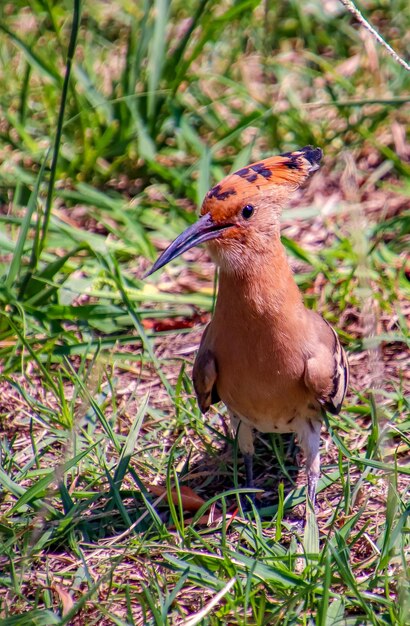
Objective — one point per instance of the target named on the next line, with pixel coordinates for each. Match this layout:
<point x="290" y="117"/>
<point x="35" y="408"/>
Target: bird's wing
<point x="327" y="371"/>
<point x="205" y="374"/>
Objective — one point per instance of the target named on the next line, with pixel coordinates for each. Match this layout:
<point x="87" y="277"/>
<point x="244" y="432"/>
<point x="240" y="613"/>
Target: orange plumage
<point x="275" y="364"/>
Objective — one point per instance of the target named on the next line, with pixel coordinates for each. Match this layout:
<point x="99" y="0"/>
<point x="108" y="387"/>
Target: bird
<point x="275" y="364"/>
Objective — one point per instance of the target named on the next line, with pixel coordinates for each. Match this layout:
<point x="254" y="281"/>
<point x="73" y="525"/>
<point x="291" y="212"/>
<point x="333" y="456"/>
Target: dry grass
<point x="96" y="401"/>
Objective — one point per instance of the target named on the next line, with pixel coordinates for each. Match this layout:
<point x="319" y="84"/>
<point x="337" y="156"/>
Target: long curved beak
<point x="203" y="230"/>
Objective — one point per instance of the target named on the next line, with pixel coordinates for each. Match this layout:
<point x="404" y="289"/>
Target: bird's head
<point x="240" y="215"/>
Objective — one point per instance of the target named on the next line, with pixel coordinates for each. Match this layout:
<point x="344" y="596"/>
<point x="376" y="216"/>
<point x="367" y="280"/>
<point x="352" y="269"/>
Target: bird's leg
<point x="310" y="442"/>
<point x="248" y="460"/>
<point x="245" y="442"/>
<point x="312" y="480"/>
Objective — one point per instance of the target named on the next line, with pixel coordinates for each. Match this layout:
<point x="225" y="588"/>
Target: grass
<point x="118" y="500"/>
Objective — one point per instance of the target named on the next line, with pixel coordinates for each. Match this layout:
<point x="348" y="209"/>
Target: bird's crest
<point x="287" y="171"/>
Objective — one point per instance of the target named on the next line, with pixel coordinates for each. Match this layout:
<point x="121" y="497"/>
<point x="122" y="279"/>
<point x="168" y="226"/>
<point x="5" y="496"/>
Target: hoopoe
<point x="274" y="363"/>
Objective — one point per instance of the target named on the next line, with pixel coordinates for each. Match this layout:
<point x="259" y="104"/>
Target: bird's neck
<point x="265" y="289"/>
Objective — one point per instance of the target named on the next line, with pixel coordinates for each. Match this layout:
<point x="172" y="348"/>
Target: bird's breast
<point x="261" y="338"/>
<point x="261" y="379"/>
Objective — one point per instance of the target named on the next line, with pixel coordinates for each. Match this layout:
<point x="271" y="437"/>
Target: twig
<point x="351" y="7"/>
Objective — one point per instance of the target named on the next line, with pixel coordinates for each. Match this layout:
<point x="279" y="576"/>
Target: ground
<point x="120" y="503"/>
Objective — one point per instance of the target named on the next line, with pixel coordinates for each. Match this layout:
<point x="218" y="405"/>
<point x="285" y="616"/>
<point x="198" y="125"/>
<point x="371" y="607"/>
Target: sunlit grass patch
<point x="102" y="443"/>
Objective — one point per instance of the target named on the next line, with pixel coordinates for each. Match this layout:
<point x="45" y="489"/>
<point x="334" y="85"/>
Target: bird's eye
<point x="247" y="211"/>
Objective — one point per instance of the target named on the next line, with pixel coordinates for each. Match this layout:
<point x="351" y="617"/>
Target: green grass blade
<point x="16" y="262"/>
<point x="60" y="122"/>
